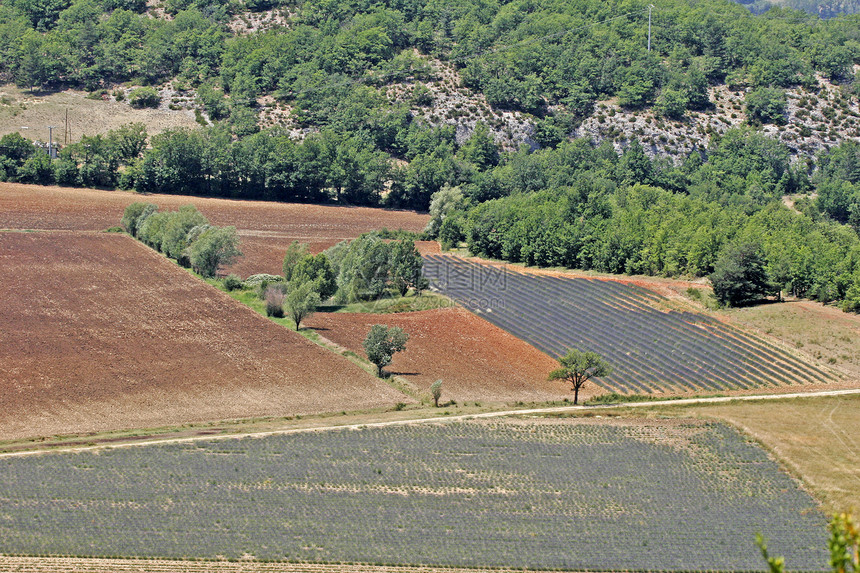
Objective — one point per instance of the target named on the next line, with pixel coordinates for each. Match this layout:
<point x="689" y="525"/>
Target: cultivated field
<point x="266" y="228"/>
<point x="475" y="360"/>
<point x="818" y="438"/>
<point x="822" y="332"/>
<point x="566" y="494"/>
<point x="650" y="348"/>
<point x="100" y="332"/>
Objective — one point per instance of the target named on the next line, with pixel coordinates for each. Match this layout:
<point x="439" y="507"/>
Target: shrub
<point x="232" y="282"/>
<point x="135" y="214"/>
<point x="151" y="230"/>
<point x="258" y="279"/>
<point x="176" y="233"/>
<point x="274" y="297"/>
<point x="671" y="103"/>
<point x="144" y="97"/>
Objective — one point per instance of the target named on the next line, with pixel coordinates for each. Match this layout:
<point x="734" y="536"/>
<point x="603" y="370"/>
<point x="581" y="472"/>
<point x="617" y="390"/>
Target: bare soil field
<point x="36" y="111"/>
<point x="475" y="360"/>
<point x="266" y="228"/>
<point x="100" y="333"/>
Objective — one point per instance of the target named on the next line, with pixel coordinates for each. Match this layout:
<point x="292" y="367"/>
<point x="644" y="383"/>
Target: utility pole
<point x="67" y="132"/>
<point x="650" y="7"/>
<point x="51" y="141"/>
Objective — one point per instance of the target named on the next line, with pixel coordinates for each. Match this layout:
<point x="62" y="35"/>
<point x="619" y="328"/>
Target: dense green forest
<point x="562" y="201"/>
<point x="530" y="55"/>
<point x="823" y="8"/>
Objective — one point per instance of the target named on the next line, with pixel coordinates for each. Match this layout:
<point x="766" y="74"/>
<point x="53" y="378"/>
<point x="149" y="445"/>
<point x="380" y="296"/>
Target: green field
<point x="598" y="494"/>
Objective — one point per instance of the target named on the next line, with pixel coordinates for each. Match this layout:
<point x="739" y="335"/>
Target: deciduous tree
<point x="301" y="301"/>
<point x="215" y="247"/>
<point x="740" y="275"/>
<point x="577" y="367"/>
<point x="381" y="344"/>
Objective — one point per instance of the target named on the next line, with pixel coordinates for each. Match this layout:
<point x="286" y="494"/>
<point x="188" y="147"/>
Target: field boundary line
<point x="437" y="420"/>
<point x="155" y="565"/>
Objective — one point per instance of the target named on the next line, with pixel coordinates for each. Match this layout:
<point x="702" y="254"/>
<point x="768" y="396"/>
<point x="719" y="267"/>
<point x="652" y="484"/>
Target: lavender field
<point x="649" y="348"/>
<point x="553" y="494"/>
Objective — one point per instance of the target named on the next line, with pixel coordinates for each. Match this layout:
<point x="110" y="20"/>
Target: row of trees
<point x="184" y="235"/>
<point x="741" y="167"/>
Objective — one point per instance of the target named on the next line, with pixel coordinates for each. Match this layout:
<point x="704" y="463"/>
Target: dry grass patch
<point x="817" y="438"/>
<point x="822" y="332"/>
<point x="86" y="116"/>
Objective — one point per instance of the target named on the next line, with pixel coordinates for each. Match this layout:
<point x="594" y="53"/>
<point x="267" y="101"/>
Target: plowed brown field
<point x="266" y="228"/>
<point x="475" y="360"/>
<point x="102" y="333"/>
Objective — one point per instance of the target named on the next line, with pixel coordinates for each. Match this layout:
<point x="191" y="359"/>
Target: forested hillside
<point x="547" y="130"/>
<point x="823" y="8"/>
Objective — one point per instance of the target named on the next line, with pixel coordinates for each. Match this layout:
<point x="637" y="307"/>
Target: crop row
<point x="650" y="349"/>
<point x="562" y="494"/>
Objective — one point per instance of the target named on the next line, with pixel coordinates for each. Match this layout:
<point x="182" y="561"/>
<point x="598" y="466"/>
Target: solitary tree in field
<point x="578" y="367"/>
<point x="436" y="392"/>
<point x="381" y="344"/>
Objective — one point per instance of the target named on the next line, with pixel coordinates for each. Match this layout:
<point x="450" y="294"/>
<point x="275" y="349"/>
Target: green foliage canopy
<point x="382" y="342"/>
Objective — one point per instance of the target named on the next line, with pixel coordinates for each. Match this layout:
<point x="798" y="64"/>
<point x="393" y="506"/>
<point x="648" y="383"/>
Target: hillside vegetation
<point x="639" y="161"/>
<point x="823" y="8"/>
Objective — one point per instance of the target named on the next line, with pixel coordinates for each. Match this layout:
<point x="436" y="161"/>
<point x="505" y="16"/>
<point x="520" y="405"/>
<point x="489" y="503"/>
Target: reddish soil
<point x="101" y="333"/>
<point x="475" y="360"/>
<point x="266" y="228"/>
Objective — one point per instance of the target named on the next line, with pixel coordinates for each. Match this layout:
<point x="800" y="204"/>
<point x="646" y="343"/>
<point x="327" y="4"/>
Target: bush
<point x="274" y="297"/>
<point x="144" y="97"/>
<point x="671" y="103"/>
<point x="264" y="286"/>
<point x="232" y="282"/>
<point x="176" y="232"/>
<point x="134" y="216"/>
<point x="258" y="279"/>
<point x="151" y="230"/>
